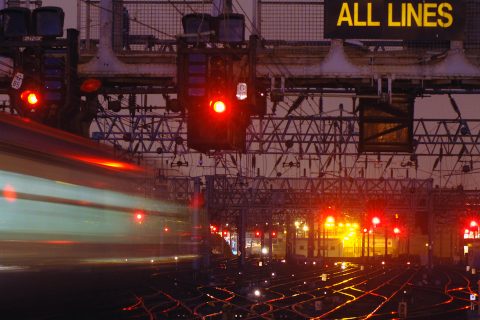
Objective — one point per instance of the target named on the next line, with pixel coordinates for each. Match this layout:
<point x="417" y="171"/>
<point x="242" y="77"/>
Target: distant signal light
<point x="139" y="217"/>
<point x="90" y="85"/>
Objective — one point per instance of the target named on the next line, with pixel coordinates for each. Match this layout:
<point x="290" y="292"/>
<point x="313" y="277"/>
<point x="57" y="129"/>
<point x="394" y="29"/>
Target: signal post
<point x="44" y="87"/>
<point x="216" y="82"/>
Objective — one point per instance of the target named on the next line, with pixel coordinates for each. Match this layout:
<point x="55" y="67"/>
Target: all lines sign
<point x="426" y="20"/>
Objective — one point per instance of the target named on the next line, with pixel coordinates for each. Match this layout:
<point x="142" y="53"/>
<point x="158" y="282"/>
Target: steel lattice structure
<point x="305" y="195"/>
<point x="307" y="146"/>
<point x="276" y="202"/>
<point x="309" y="135"/>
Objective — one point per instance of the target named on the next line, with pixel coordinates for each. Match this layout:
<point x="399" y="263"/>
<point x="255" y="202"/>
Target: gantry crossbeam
<point x="306" y="135"/>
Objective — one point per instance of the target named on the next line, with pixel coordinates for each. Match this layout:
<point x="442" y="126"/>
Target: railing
<point x="138" y="25"/>
<point x="143" y="26"/>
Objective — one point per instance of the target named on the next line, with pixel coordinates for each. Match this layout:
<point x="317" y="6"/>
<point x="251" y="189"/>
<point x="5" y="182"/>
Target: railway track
<point x="276" y="291"/>
<point x="372" y="293"/>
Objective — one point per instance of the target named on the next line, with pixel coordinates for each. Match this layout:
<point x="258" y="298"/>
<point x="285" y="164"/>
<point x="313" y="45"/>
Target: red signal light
<point x="30" y="97"/>
<point x="274" y="234"/>
<point x="139" y="217"/>
<point x="396" y="230"/>
<point x="9" y="193"/>
<point x="166" y="229"/>
<point x="375" y="220"/>
<point x="218" y="106"/>
<point x="473" y="224"/>
<point x="225" y="232"/>
<point x="257" y="233"/>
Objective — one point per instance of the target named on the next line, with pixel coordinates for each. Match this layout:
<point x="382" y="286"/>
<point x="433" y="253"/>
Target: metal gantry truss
<point x="310" y="146"/>
<point x="274" y="135"/>
<point x="245" y="204"/>
<point x="226" y="196"/>
<point x="260" y="196"/>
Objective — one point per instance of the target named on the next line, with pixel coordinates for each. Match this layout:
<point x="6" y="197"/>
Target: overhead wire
<point x="284" y="70"/>
<point x="175" y="7"/>
<point x="138" y="22"/>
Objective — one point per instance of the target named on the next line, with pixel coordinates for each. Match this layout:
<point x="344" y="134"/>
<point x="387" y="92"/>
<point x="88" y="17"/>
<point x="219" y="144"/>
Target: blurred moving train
<point x="65" y="200"/>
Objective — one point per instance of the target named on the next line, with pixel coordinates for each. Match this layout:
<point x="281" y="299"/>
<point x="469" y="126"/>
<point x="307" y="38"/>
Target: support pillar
<point x="363" y="245"/>
<point x="201" y="232"/>
<point x="373" y="242"/>
<point x="311" y="236"/>
<point x="325" y="245"/>
<point x="196" y="225"/>
<point x="319" y="237"/>
<point x="293" y="234"/>
<point x="431" y="229"/>
<point x="263" y="230"/>
<point x="288" y="238"/>
<point x="241" y="227"/>
<point x="270" y="240"/>
<point x="368" y="245"/>
<point x="386" y="243"/>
